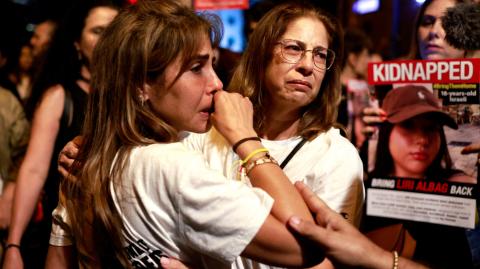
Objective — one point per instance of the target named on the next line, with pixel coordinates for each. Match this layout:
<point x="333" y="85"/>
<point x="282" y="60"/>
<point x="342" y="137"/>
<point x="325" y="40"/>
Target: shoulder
<point x="8" y="100"/>
<point x="335" y="143"/>
<point x="51" y="103"/>
<point x="163" y="152"/>
<point x="336" y="154"/>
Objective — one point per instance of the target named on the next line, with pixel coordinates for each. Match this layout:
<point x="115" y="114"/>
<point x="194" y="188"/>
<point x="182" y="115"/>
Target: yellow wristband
<point x="253" y="153"/>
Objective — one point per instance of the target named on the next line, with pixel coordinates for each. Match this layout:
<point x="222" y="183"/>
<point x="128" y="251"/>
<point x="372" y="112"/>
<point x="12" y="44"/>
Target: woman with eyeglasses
<point x="290" y="71"/>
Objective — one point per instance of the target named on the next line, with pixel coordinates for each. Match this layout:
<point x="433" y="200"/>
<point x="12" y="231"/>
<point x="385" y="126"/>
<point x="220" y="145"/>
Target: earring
<point x="142" y="100"/>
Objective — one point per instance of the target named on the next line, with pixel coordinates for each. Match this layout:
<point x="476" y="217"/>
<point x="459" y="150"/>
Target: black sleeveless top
<point x="70" y="126"/>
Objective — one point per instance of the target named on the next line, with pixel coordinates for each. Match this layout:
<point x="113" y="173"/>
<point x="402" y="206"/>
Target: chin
<point x="203" y="128"/>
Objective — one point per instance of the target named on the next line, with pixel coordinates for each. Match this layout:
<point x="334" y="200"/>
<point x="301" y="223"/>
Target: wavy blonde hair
<point x="135" y="50"/>
<point x="248" y="78"/>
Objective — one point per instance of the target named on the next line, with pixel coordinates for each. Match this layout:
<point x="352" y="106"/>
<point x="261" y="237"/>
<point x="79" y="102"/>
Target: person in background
<point x="42" y="37"/>
<point x="56" y="109"/>
<point x="412" y="144"/>
<point x="355" y="93"/>
<point x="22" y="73"/>
<point x="428" y="43"/>
<point x="13" y="143"/>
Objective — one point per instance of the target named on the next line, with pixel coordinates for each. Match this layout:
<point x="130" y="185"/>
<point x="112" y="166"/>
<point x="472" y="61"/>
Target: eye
<point x="98" y="30"/>
<point x="292" y="48"/>
<point x="407" y="125"/>
<point x="320" y="54"/>
<point x="196" y="67"/>
<point x="427" y="20"/>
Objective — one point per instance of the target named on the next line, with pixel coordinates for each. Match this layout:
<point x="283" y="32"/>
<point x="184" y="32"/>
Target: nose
<point x="436" y="30"/>
<point x="215" y="84"/>
<point x="305" y="65"/>
<point x="422" y="137"/>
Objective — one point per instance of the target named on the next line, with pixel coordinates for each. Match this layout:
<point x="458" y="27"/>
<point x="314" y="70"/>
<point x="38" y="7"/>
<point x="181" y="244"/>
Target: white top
<point x="329" y="165"/>
<point x="172" y="204"/>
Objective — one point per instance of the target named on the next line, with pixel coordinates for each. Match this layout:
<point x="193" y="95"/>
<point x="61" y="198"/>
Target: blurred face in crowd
<point x="431" y="35"/>
<point x="41" y="37"/>
<point x="26" y="58"/>
<point x="359" y="62"/>
<point x="186" y="103"/>
<point x="414" y="144"/>
<point x="295" y="85"/>
<point x="97" y="20"/>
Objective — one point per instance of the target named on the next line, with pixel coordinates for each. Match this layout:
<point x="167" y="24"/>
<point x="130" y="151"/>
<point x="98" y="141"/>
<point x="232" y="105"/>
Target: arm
<point x="6" y="204"/>
<point x="59" y="257"/>
<point x="34" y="169"/>
<point x="273" y="244"/>
<point x="342" y="242"/>
<point x="233" y="118"/>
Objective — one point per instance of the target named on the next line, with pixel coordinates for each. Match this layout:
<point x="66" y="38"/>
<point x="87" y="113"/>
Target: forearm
<point x="273" y="180"/>
<point x="275" y="245"/>
<point x="27" y="193"/>
<point x="59" y="257"/>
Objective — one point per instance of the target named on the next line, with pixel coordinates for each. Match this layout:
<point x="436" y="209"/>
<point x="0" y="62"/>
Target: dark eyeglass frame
<point x="301" y="46"/>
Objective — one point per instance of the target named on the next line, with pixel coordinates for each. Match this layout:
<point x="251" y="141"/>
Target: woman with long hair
<point x="56" y="108"/>
<point x="139" y="193"/>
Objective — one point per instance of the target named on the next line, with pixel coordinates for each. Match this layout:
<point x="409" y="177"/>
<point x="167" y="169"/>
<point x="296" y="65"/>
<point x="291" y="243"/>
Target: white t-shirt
<point x="172" y="204"/>
<point x="329" y="165"/>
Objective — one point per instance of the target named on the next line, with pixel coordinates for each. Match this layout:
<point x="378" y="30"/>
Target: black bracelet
<point x="11" y="246"/>
<point x="235" y="146"/>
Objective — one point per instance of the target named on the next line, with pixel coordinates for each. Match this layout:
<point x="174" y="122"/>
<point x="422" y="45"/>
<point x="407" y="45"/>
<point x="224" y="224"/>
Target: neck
<point x="84" y="81"/>
<point x="281" y="124"/>
<point x="85" y="74"/>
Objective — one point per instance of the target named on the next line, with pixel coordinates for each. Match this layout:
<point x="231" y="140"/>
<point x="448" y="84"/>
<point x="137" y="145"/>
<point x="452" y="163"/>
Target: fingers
<point x="67" y="156"/>
<point x="368" y="130"/>
<point x="473" y="148"/>
<point x="170" y="263"/>
<point x="314" y="203"/>
<point x="372" y="120"/>
<point x="233" y="116"/>
<point x="308" y="229"/>
<point x="78" y="140"/>
<point x="374" y="111"/>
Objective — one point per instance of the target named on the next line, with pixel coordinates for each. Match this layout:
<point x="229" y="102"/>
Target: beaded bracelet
<point x="395" y="259"/>
<point x="241" y="141"/>
<point x="262" y="160"/>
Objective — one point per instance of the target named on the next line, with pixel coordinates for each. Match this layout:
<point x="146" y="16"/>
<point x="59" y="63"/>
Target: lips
<point x="300" y="84"/>
<point x="432" y="47"/>
<point x="419" y="155"/>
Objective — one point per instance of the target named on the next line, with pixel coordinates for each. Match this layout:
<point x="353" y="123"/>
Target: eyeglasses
<point x="293" y="51"/>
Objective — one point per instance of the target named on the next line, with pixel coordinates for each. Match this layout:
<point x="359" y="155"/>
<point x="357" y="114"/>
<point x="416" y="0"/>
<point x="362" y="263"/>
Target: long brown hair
<point x="135" y="50"/>
<point x="248" y="78"/>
